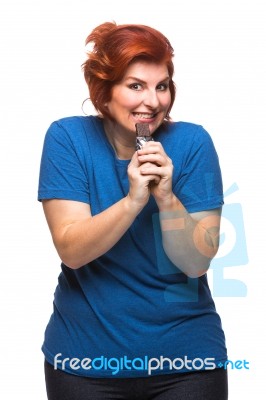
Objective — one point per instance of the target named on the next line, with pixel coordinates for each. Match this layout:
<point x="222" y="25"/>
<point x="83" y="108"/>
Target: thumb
<point x="134" y="160"/>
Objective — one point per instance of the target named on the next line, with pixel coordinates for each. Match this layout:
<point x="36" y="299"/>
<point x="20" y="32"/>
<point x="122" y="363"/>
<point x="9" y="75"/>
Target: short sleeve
<point x="199" y="186"/>
<point x="63" y="174"/>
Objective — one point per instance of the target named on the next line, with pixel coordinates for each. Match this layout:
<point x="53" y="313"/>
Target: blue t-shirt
<point x="130" y="312"/>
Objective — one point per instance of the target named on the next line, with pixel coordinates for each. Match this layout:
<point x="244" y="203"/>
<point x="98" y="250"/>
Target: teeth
<point x="144" y="116"/>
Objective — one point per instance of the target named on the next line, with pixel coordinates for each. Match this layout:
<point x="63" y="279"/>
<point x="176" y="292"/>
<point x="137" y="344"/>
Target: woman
<point x="136" y="231"/>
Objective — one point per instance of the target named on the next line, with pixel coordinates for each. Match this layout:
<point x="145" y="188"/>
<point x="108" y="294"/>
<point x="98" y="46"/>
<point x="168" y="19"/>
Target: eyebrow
<point x="134" y="78"/>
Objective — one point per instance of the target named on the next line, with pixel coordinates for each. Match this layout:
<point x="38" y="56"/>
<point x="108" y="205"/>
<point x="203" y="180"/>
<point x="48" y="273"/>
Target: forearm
<point x="189" y="243"/>
<point x="84" y="240"/>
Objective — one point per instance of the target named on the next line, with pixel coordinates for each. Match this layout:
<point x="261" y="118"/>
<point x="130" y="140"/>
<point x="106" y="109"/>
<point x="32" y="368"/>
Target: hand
<point x="140" y="184"/>
<point x="155" y="162"/>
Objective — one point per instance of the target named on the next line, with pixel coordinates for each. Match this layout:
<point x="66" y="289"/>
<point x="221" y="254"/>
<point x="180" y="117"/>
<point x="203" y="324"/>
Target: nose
<point x="151" y="99"/>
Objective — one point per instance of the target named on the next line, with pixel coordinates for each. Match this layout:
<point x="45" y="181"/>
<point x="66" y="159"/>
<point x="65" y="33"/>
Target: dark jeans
<point x="199" y="385"/>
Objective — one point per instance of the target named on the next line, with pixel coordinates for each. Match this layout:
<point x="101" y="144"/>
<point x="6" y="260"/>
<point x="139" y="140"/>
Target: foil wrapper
<point x="143" y="135"/>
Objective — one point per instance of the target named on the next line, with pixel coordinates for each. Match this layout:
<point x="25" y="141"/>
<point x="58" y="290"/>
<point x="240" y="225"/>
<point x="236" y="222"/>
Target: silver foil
<point x="141" y="140"/>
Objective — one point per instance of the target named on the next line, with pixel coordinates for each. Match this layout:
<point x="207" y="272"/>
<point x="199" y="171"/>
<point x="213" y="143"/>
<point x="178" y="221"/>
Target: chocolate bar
<point x="143" y="135"/>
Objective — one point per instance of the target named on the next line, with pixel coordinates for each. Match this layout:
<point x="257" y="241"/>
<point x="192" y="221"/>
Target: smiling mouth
<point x="143" y="116"/>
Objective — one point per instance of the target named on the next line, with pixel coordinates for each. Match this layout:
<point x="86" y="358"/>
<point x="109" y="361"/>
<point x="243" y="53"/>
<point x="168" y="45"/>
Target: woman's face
<point x="143" y="95"/>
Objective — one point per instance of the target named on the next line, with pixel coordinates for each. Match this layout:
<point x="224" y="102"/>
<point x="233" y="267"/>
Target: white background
<point x="220" y="76"/>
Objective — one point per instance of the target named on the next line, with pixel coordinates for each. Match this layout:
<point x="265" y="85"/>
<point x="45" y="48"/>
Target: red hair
<point x="114" y="48"/>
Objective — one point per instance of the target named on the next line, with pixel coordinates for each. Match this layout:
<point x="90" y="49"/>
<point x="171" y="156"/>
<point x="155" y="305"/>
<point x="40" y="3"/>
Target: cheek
<point x="166" y="101"/>
<point x="124" y="102"/>
<point x="130" y="101"/>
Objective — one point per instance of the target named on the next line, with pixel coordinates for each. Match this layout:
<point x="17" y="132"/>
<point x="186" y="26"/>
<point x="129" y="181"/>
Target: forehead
<point x="145" y="69"/>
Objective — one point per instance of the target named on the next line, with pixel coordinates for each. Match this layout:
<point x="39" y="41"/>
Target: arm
<point x="80" y="237"/>
<point x="189" y="240"/>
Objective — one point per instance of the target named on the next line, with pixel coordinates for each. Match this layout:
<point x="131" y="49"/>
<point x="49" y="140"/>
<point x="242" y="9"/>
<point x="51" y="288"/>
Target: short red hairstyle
<point x="114" y="48"/>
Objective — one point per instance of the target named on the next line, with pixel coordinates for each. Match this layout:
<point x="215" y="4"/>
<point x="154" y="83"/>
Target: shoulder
<point x="72" y="124"/>
<point x="74" y="131"/>
<point x="183" y="136"/>
<point x="184" y="130"/>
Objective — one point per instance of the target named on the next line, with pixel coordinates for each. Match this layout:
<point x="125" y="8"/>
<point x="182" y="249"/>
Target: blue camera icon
<point x="232" y="253"/>
<point x="232" y="233"/>
<point x="184" y="289"/>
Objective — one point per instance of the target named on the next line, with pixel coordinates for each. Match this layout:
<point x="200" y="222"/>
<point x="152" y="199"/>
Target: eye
<point x="135" y="86"/>
<point x="162" y="87"/>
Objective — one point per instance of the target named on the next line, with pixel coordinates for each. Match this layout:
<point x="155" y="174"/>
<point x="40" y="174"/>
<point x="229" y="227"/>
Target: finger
<point x="151" y="147"/>
<point x="156" y="158"/>
<point x="153" y="169"/>
<point x="134" y="160"/>
<point x="153" y="178"/>
<point x="150" y="169"/>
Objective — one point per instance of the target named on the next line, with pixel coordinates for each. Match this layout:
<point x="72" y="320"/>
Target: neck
<point x="123" y="143"/>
